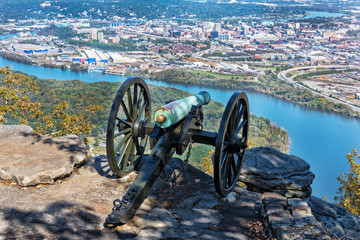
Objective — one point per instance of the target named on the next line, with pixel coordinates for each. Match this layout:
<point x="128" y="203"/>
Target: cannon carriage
<point x="178" y="124"/>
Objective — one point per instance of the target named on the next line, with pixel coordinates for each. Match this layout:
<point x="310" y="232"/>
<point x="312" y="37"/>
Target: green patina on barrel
<point x="177" y="110"/>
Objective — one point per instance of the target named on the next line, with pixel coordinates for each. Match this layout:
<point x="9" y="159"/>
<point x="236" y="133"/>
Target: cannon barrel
<point x="173" y="112"/>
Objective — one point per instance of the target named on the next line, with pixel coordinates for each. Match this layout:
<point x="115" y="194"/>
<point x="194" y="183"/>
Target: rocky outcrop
<point x="29" y="159"/>
<point x="337" y="222"/>
<point x="197" y="210"/>
<point x="76" y="207"/>
<point x="7" y="131"/>
<point x="290" y="218"/>
<point x="268" y="170"/>
<point x="313" y="218"/>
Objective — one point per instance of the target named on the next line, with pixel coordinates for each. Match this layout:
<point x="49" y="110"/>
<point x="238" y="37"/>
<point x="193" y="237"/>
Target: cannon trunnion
<point x="131" y="135"/>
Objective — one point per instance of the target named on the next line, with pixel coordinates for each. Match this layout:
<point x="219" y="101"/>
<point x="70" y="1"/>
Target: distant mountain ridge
<point x="94" y="9"/>
<point x="161" y="9"/>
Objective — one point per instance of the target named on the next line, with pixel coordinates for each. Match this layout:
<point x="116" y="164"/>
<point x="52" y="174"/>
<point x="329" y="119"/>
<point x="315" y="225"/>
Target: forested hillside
<point x="80" y="94"/>
<point x="96" y="9"/>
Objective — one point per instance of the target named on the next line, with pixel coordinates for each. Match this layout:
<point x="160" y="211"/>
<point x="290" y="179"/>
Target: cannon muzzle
<point x="173" y="112"/>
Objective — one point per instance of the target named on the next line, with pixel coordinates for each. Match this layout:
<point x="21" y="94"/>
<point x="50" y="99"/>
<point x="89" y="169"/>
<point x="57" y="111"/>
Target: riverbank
<point x="268" y="84"/>
<point x="76" y="67"/>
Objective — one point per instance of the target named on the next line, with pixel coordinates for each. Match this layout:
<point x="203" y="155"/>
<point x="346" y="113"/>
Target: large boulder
<point x="28" y="158"/>
<point x="268" y="170"/>
<point x="7" y="131"/>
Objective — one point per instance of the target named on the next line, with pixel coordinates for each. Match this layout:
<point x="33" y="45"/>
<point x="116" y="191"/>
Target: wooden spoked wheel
<point x="231" y="143"/>
<point x="125" y="141"/>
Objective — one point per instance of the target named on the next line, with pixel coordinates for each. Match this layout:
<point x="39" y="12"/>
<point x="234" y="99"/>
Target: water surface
<point x="320" y="138"/>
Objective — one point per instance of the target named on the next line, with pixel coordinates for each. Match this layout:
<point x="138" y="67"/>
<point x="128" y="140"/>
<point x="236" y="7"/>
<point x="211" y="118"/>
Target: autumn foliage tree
<point x="349" y="190"/>
<point x="208" y="164"/>
<point x="16" y="91"/>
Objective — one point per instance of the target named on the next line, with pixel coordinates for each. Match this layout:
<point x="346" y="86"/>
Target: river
<point x="5" y="36"/>
<point x="320" y="138"/>
<point x="316" y="14"/>
<point x="311" y="14"/>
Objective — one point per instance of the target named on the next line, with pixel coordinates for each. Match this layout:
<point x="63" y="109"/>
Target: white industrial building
<point x="118" y="59"/>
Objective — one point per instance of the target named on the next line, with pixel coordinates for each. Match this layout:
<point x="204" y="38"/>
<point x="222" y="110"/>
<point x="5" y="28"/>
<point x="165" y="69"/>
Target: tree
<point x="208" y="163"/>
<point x="16" y="91"/>
<point x="60" y="123"/>
<point x="61" y="32"/>
<point x="349" y="190"/>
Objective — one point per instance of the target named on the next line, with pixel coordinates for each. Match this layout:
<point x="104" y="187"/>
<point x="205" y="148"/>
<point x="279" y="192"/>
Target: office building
<point x="217" y="27"/>
<point x="94" y="35"/>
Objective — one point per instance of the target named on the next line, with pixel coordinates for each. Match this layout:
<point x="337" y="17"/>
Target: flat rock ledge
<point x="268" y="170"/>
<point x="29" y="159"/>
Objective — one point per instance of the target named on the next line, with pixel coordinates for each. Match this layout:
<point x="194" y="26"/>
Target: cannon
<point x="177" y="125"/>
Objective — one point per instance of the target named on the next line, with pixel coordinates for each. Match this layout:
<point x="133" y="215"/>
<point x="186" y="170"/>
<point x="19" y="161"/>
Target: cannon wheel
<point x="124" y="144"/>
<point x="231" y="143"/>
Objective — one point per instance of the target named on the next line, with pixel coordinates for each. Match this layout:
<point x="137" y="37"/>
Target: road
<point x="282" y="76"/>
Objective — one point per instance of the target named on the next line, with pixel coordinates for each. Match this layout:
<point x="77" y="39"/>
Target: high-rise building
<point x="94" y="35"/>
<point x="217" y="27"/>
<point x="224" y="37"/>
<point x="101" y="36"/>
<point x="245" y="29"/>
<point x="208" y="26"/>
<point x="167" y="29"/>
<point x="214" y="34"/>
<point x="175" y="27"/>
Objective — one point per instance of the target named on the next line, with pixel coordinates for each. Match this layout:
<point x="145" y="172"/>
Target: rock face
<point x="338" y="223"/>
<point x="28" y="158"/>
<point x="290" y="218"/>
<point x="268" y="170"/>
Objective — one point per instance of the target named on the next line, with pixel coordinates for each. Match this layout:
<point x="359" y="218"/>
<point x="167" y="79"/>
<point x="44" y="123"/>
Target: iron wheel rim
<point x="228" y="161"/>
<point x="132" y="104"/>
